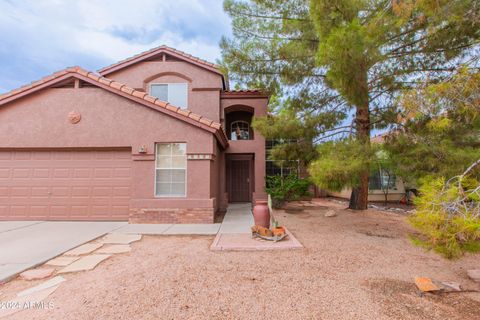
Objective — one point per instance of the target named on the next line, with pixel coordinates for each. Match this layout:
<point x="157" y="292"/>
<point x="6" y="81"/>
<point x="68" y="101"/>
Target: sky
<point x="39" y="37"/>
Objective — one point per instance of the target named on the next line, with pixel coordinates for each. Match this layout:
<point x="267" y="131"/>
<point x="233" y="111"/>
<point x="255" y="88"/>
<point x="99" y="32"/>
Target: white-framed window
<point x="240" y="130"/>
<point x="171" y="169"/>
<point x="173" y="93"/>
<point x="382" y="179"/>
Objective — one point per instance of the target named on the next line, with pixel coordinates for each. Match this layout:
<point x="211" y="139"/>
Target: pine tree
<point x="331" y="61"/>
<point x="438" y="134"/>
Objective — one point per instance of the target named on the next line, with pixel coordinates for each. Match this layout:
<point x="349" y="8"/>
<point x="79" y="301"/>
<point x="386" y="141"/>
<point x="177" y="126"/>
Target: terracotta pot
<point x="278" y="231"/>
<point x="261" y="214"/>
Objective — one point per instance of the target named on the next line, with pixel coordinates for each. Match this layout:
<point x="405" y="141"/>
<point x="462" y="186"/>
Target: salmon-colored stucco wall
<point x="203" y="86"/>
<point x="41" y="121"/>
<point x="255" y="146"/>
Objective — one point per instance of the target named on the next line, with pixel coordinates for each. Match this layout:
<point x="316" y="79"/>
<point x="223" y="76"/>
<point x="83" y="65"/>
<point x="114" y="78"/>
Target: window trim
<point x="167" y="83"/>
<point x="249" y="130"/>
<point x="155" y="174"/>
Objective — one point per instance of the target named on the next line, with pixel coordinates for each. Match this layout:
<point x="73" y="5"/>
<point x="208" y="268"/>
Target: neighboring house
<point x="156" y="138"/>
<point x="380" y="183"/>
<point x="377" y="185"/>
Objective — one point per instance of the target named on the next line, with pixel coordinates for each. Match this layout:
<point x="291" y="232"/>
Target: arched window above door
<point x="240" y="130"/>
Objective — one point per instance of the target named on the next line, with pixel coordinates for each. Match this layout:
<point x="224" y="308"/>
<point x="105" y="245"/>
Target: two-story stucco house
<point x="156" y="138"/>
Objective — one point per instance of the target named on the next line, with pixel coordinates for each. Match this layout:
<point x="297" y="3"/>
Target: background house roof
<point x="120" y="89"/>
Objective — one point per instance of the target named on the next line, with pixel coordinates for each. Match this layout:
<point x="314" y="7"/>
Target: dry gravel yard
<point x="357" y="265"/>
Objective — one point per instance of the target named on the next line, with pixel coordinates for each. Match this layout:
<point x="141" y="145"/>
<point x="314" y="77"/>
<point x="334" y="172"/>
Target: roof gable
<point x="120" y="89"/>
<point x="161" y="53"/>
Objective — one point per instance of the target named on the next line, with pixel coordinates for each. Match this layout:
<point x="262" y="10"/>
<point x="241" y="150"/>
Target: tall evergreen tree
<point x="331" y="61"/>
<point x="438" y="135"/>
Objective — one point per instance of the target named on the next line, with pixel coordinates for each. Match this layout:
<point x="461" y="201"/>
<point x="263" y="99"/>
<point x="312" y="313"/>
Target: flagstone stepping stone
<point x="45" y="285"/>
<point x="114" y="248"/>
<point x="426" y="284"/>
<point x="62" y="261"/>
<point x="474" y="274"/>
<point x="84" y="249"/>
<point x="36" y="274"/>
<point x="85" y="263"/>
<point x="120" y="238"/>
<point x="25" y="302"/>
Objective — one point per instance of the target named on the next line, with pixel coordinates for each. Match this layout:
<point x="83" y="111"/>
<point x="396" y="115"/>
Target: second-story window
<point x="174" y="93"/>
<point x="240" y="130"/>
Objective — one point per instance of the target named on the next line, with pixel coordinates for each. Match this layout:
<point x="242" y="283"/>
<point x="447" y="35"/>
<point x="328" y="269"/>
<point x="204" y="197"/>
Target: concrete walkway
<point x="170" y="229"/>
<point x="27" y="244"/>
<point x="238" y="219"/>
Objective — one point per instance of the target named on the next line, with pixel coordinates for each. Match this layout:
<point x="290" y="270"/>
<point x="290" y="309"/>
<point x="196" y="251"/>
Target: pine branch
<point x="260" y="16"/>
<point x="256" y="72"/>
<point x="407" y="53"/>
<point x="257" y="36"/>
<point x="473" y="165"/>
<point x="331" y="135"/>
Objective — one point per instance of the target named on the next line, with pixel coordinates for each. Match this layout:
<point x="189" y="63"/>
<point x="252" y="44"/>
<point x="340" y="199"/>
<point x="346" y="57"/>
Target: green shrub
<point x="287" y="188"/>
<point x="447" y="216"/>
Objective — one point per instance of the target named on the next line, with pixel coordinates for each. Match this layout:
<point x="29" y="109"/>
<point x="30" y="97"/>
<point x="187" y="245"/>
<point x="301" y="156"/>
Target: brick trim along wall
<point x="172" y="215"/>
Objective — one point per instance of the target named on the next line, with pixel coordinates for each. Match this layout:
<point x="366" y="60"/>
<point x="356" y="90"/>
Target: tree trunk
<point x="386" y="190"/>
<point x="359" y="196"/>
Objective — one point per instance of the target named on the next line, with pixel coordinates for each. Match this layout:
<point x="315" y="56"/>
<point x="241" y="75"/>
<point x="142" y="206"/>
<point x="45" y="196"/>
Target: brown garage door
<point x="65" y="184"/>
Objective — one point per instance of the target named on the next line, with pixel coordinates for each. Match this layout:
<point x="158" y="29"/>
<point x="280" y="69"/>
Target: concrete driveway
<point x="25" y="244"/>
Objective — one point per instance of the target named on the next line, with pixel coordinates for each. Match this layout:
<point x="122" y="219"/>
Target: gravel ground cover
<point x="356" y="265"/>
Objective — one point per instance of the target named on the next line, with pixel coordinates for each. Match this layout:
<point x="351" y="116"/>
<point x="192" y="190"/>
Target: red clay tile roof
<point x="123" y="90"/>
<point x="245" y="92"/>
<point x="161" y="49"/>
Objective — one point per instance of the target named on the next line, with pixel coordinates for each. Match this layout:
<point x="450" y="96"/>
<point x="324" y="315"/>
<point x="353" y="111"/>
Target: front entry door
<point x="239" y="172"/>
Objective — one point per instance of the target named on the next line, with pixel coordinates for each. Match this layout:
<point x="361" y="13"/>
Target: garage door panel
<point x="85" y="173"/>
<point x="20" y="192"/>
<point x="65" y="185"/>
<point x="4" y="173"/>
<point x="4" y="192"/>
<point x="44" y="155"/>
<point x="21" y="155"/>
<point x="21" y="173"/>
<point x="39" y="211"/>
<point x="18" y="210"/>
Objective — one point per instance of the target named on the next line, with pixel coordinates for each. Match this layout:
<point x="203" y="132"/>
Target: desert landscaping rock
<point x="45" y="285"/>
<point x="450" y="286"/>
<point x="330" y="213"/>
<point x="85" y="263"/>
<point x="115" y="248"/>
<point x="62" y="261"/>
<point x="84" y="249"/>
<point x="340" y="274"/>
<point x="36" y="274"/>
<point x="119" y="238"/>
<point x="474" y="274"/>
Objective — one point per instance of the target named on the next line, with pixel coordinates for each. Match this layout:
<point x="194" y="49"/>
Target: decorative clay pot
<point x="278" y="231"/>
<point x="261" y="213"/>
